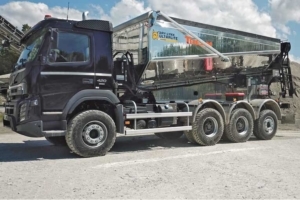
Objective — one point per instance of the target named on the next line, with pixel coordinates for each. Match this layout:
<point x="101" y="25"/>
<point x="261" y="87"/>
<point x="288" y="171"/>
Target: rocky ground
<point x="146" y="167"/>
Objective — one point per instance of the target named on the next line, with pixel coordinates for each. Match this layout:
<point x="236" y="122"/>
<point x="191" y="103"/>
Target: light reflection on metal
<point x="168" y="56"/>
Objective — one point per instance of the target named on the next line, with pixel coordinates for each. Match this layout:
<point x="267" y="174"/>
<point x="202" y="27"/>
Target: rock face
<point x="295" y="101"/>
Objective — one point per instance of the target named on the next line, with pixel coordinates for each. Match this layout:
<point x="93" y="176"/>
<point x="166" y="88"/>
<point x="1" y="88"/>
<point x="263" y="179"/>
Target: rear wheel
<point x="265" y="127"/>
<point x="240" y="127"/>
<point x="208" y="127"/>
<point x="91" y="133"/>
<point x="57" y="141"/>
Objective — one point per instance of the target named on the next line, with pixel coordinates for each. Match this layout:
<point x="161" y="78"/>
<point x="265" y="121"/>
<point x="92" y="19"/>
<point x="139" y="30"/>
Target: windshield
<point x="31" y="48"/>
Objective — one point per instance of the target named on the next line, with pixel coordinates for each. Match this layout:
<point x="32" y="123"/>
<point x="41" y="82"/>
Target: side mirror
<point x="5" y="43"/>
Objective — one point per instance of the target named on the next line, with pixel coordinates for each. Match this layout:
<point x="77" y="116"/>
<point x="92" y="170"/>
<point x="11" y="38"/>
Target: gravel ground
<point x="147" y="167"/>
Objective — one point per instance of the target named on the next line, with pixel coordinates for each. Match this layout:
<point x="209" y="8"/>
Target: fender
<point x="244" y="104"/>
<point x="200" y="105"/>
<point x="271" y="104"/>
<point x="85" y="95"/>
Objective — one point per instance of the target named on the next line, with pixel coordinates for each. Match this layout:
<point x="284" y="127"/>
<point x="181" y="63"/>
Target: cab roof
<point x="91" y="24"/>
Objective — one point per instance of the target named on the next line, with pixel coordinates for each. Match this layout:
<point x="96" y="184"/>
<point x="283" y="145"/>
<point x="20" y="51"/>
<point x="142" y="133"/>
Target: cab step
<point x="54" y="133"/>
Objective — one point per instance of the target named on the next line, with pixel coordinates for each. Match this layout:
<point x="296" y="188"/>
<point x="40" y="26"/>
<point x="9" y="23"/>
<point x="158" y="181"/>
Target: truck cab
<point x="62" y="62"/>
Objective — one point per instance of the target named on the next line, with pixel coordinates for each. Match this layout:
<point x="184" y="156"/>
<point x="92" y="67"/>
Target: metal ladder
<point x="286" y="79"/>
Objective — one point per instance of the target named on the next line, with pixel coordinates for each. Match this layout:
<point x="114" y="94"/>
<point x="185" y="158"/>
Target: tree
<point x="25" y="28"/>
<point x="8" y="58"/>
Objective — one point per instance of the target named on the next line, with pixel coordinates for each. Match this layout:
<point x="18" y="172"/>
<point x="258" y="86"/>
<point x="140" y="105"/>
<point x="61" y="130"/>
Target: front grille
<point x="9" y="110"/>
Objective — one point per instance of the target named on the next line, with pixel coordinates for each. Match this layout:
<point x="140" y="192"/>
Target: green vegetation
<point x="8" y="57"/>
<point x="25" y="28"/>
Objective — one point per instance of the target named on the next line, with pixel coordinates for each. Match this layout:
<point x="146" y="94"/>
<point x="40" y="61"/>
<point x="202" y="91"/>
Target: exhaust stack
<point x="84" y="15"/>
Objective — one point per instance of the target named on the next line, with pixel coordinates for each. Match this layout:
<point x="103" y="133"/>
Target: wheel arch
<point x="209" y="103"/>
<point x="264" y="104"/>
<point x="104" y="97"/>
<point x="240" y="104"/>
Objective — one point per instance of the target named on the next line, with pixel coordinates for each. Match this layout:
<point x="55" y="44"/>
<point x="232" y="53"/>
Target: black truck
<point x="83" y="82"/>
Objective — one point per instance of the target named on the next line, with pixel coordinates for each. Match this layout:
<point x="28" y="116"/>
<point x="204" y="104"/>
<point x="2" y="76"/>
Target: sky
<point x="274" y="18"/>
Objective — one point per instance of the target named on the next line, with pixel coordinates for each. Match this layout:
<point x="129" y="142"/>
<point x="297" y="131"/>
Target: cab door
<point x="69" y="68"/>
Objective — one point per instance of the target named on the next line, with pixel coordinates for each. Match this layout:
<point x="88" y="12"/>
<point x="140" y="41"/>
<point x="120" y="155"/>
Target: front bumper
<point x="31" y="126"/>
<point x="30" y="129"/>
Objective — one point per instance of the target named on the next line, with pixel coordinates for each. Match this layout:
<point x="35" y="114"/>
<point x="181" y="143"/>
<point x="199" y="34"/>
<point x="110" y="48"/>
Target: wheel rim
<point x="242" y="125"/>
<point x="269" y="125"/>
<point x="210" y="127"/>
<point x="94" y="134"/>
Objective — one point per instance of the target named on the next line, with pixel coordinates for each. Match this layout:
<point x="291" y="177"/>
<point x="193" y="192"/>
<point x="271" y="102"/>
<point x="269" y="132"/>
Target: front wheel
<point x="265" y="127"/>
<point x="189" y="136"/>
<point x="208" y="127"/>
<point x="91" y="133"/>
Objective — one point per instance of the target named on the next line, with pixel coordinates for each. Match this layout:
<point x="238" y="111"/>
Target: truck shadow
<point x="34" y="150"/>
<point x="146" y="143"/>
<point x="31" y="150"/>
<point x="151" y="142"/>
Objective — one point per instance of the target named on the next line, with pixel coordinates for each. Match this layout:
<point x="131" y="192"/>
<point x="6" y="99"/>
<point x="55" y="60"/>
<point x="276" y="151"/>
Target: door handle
<point x="87" y="81"/>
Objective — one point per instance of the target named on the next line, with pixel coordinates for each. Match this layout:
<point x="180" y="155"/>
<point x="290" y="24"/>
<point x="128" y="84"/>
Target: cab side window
<point x="69" y="47"/>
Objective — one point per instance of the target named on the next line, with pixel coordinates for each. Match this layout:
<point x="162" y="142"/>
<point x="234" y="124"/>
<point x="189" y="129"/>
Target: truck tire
<point x="57" y="141"/>
<point x="265" y="127"/>
<point x="91" y="133"/>
<point x="208" y="127"/>
<point x="189" y="136"/>
<point x="170" y="136"/>
<point x="240" y="127"/>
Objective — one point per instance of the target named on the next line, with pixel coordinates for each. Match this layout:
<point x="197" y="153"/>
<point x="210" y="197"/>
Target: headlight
<point x="23" y="112"/>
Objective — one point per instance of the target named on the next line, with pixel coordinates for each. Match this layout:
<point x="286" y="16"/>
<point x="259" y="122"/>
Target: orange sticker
<point x="190" y="40"/>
